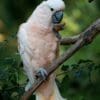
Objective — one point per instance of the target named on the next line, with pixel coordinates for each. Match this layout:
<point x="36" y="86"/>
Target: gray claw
<point x="42" y="73"/>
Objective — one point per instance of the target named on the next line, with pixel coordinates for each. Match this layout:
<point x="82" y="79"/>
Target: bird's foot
<point x="41" y="73"/>
<point x="58" y="27"/>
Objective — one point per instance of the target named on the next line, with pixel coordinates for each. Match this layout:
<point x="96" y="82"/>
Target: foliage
<point x="9" y="78"/>
<point x="81" y="81"/>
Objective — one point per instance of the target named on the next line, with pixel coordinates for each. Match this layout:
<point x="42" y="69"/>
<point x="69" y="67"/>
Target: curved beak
<point x="57" y="17"/>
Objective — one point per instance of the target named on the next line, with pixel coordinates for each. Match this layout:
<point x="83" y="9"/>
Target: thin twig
<point x="62" y="73"/>
<point x="85" y="38"/>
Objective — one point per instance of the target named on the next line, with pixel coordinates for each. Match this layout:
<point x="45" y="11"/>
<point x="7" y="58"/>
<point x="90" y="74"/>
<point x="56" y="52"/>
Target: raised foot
<point x="41" y="73"/>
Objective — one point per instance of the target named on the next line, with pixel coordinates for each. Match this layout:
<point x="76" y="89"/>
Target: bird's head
<point x="50" y="11"/>
<point x="56" y="7"/>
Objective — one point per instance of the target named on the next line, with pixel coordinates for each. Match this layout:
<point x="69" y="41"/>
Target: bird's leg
<point x="41" y="73"/>
<point x="57" y="35"/>
<point x="57" y="28"/>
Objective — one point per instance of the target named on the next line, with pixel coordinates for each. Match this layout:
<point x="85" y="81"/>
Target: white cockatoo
<point x="38" y="46"/>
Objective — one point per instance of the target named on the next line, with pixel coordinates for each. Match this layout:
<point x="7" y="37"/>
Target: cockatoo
<point x="38" y="46"/>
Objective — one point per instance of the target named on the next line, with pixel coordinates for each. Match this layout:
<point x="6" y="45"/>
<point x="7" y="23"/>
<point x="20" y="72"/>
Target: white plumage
<point x="38" y="47"/>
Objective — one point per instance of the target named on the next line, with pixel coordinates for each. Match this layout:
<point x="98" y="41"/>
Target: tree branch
<point x="69" y="40"/>
<point x="85" y="38"/>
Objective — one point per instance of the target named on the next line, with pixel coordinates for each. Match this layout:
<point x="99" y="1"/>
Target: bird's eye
<point x="51" y="9"/>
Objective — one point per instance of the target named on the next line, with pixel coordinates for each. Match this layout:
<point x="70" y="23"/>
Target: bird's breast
<point x="40" y="48"/>
<point x="43" y="48"/>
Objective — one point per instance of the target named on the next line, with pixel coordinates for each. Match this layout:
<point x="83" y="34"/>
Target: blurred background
<point x="78" y="78"/>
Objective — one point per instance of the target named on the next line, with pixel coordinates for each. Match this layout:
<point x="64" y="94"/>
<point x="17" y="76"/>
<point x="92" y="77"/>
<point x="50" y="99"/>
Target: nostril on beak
<point x="57" y="17"/>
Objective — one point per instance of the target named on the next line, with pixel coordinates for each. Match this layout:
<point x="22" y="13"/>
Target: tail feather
<point x="54" y="96"/>
<point x="57" y="95"/>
